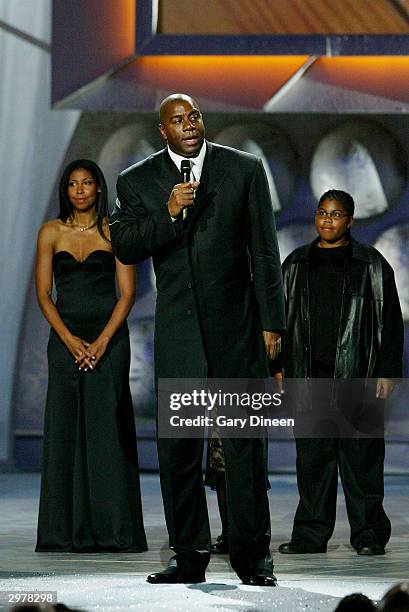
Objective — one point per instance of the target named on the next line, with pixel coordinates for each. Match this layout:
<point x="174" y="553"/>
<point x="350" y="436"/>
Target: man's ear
<point x="162" y="131"/>
<point x="351" y="222"/>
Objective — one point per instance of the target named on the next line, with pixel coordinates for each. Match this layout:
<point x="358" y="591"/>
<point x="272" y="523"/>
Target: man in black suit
<point x="212" y="319"/>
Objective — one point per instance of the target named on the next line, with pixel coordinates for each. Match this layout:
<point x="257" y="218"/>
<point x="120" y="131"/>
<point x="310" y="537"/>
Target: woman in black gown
<point x="90" y="496"/>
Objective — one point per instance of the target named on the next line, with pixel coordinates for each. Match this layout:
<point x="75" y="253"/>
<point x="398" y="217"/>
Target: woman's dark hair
<point x="101" y="204"/>
<point x="344" y="198"/>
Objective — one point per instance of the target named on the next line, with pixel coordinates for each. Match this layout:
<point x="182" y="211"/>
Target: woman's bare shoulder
<point x="51" y="230"/>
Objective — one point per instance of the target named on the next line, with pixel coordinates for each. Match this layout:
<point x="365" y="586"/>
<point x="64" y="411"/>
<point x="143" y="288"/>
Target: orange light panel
<point x="237" y="80"/>
<point x="386" y="76"/>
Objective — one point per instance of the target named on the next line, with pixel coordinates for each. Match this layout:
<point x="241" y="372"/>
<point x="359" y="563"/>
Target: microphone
<point x="185" y="171"/>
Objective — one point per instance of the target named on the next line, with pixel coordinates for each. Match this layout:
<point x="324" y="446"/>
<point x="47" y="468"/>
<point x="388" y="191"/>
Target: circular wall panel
<point x="274" y="148"/>
<point x="128" y="145"/>
<point x="394" y="246"/>
<point x="362" y="158"/>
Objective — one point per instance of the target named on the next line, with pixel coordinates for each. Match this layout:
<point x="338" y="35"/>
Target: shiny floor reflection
<point x="117" y="582"/>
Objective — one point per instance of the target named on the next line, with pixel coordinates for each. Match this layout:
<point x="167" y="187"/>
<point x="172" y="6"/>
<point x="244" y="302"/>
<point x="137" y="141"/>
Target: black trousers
<point x="180" y="463"/>
<point x="360" y="464"/>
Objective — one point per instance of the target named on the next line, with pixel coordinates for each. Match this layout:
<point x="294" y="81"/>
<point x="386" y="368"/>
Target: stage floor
<point x="117" y="582"/>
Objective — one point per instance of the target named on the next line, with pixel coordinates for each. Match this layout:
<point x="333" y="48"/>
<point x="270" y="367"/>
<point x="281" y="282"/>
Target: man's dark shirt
<point x="326" y="278"/>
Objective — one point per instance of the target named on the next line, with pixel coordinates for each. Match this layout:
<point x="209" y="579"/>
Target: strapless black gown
<point x="90" y="496"/>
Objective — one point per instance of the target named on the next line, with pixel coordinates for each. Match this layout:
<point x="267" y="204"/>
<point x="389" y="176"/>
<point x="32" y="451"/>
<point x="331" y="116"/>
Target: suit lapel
<point x="167" y="175"/>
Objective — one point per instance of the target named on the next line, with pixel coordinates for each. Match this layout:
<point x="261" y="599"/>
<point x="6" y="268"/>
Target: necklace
<point x="84" y="228"/>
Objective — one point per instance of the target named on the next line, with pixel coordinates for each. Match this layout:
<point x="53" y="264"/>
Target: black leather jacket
<point x="370" y="337"/>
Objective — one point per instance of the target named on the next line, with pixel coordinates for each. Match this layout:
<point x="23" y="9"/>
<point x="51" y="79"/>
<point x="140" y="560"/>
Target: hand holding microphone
<point x="183" y="194"/>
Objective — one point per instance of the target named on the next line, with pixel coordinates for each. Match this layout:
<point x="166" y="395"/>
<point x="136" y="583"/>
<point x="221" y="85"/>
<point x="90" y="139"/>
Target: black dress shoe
<point x="259" y="574"/>
<point x="172" y="575"/>
<point x="370" y="549"/>
<point x="260" y="580"/>
<point x="221" y="545"/>
<point x="289" y="548"/>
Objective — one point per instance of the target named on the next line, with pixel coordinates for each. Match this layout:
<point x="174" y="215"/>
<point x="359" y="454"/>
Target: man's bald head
<point x="169" y="100"/>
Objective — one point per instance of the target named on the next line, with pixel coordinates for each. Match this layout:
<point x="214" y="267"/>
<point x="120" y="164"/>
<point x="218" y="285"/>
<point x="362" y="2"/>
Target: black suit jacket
<point x="210" y="310"/>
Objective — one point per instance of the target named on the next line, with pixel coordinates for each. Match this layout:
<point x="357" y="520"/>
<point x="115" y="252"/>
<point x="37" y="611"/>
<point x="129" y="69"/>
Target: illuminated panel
<point x="282" y="17"/>
<point x="387" y="77"/>
<point x="89" y="38"/>
<point x="270" y="83"/>
<point x="93" y="39"/>
<point x="247" y="82"/>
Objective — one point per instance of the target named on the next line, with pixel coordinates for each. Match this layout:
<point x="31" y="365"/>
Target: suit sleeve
<point x="265" y="254"/>
<point x="135" y="234"/>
